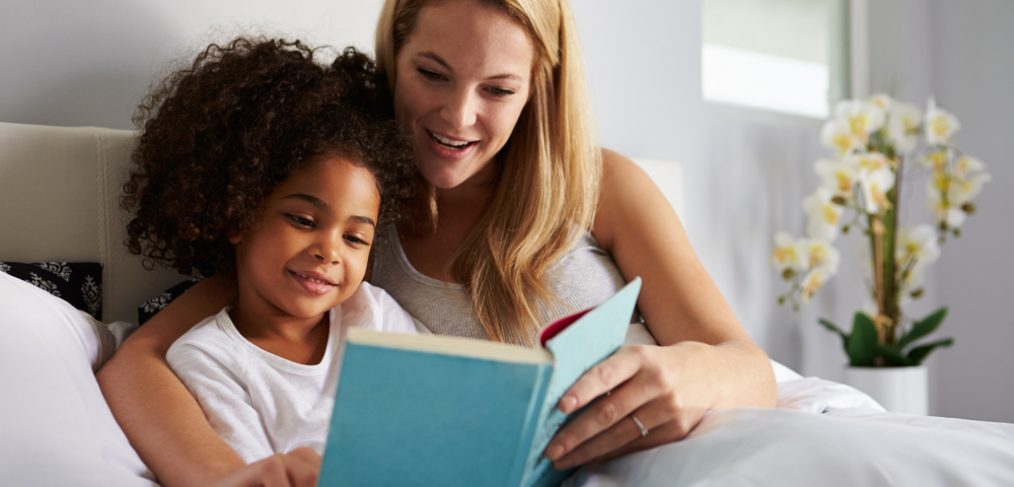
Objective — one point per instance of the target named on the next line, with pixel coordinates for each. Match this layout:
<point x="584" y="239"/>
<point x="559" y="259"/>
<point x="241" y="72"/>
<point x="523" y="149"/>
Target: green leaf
<point x="862" y="344"/>
<point x="918" y="354"/>
<point x="834" y="328"/>
<point x="923" y="327"/>
<point x="893" y="356"/>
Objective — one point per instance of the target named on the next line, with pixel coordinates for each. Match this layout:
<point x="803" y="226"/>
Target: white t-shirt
<point x="261" y="403"/>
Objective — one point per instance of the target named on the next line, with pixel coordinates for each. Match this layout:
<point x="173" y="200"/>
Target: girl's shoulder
<point x="373" y="308"/>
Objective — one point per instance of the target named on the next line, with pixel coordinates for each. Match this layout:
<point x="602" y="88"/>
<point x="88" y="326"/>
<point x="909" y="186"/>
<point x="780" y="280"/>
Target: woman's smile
<point x="463" y="78"/>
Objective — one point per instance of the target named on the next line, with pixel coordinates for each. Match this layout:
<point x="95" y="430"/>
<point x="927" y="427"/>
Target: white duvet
<point x="55" y="428"/>
<point x="845" y="446"/>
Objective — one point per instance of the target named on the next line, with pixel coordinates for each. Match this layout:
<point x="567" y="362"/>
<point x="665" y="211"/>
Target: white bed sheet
<point x="824" y="434"/>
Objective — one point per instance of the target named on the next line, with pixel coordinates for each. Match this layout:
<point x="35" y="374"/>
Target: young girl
<point x="259" y="163"/>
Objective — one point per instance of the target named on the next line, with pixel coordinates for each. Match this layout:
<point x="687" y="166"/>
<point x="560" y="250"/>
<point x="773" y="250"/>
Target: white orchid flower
<point x="959" y="190"/>
<point x="820" y="254"/>
<point x="812" y="282"/>
<point x="788" y="254"/>
<point x="823" y="260"/>
<point x="876" y="179"/>
<point x="944" y="211"/>
<point x="966" y="165"/>
<point x="837" y="135"/>
<point x="936" y="161"/>
<point x="862" y="117"/>
<point x="822" y="216"/>
<point x="903" y="126"/>
<point x="964" y="190"/>
<point x="912" y="281"/>
<point x="882" y="101"/>
<point x="839" y="176"/>
<point x="919" y="243"/>
<point x="940" y="124"/>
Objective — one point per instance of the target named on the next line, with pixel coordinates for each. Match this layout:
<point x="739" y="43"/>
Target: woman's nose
<point x="459" y="110"/>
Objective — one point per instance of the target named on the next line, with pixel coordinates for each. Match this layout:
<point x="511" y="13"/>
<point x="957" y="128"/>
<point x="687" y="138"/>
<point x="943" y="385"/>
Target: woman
<point x="530" y="221"/>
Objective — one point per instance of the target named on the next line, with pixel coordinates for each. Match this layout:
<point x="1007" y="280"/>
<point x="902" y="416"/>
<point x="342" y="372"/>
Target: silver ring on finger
<point x="640" y="426"/>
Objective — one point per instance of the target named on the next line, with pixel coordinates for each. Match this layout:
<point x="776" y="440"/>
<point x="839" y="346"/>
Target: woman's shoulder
<point x="623" y="188"/>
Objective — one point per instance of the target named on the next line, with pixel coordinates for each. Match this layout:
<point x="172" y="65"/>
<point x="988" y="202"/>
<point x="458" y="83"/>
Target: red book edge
<point x="559" y="325"/>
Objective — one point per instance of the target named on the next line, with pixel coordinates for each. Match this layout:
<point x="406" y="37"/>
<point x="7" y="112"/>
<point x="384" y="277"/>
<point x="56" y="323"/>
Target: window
<point x="782" y="55"/>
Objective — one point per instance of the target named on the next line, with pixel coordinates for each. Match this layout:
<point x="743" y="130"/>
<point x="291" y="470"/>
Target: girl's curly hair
<point x="217" y="137"/>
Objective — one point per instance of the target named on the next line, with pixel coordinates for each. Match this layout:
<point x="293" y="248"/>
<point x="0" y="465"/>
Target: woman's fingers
<point x="603" y="414"/>
<point x="656" y="423"/>
<point x="602" y="378"/>
<point x="651" y="404"/>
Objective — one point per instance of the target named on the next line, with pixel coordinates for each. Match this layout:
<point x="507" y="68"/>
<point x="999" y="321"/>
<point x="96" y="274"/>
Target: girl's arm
<point x="161" y="419"/>
<point x="704" y="360"/>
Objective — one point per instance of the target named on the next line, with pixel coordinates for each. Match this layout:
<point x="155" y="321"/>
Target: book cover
<point x="438" y="410"/>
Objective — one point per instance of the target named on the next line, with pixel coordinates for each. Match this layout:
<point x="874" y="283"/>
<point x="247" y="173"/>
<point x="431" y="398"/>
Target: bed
<point x="59" y="192"/>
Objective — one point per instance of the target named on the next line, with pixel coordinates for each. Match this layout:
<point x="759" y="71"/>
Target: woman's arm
<point x="705" y="359"/>
<point x="162" y="420"/>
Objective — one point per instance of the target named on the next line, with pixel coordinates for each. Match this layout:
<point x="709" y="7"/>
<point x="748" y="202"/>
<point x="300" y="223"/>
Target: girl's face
<point x="463" y="78"/>
<point x="309" y="250"/>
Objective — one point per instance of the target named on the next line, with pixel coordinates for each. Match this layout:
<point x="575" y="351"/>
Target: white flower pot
<point x="898" y="389"/>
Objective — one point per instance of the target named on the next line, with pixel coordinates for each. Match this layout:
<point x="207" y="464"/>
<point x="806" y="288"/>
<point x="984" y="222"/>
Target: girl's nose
<point x="327" y="250"/>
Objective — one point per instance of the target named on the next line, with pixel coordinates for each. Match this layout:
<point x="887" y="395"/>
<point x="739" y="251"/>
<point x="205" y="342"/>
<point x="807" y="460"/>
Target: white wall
<point x="973" y="75"/>
<point x="65" y="62"/>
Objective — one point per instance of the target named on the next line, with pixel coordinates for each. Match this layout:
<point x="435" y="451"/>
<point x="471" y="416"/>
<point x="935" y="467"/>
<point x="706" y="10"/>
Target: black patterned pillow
<point x="78" y="283"/>
<point x="155" y="304"/>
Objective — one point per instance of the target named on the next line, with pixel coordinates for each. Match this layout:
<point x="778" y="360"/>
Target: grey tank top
<point x="584" y="277"/>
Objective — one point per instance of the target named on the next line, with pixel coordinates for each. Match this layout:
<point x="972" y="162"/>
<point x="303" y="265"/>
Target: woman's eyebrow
<point x="432" y="56"/>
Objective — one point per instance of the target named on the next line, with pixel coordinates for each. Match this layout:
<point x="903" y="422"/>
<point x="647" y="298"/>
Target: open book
<point x="437" y="410"/>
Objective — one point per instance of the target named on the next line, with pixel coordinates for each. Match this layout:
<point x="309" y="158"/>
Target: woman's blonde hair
<point x="550" y="170"/>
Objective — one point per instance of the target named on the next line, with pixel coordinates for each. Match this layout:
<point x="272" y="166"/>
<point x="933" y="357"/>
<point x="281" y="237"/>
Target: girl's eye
<point x="300" y="221"/>
<point x="356" y="241"/>
<point x="430" y="75"/>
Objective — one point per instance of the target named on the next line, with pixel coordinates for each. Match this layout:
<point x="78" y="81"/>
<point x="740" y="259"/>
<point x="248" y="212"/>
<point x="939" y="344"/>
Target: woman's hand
<point x="298" y="468"/>
<point x="667" y="389"/>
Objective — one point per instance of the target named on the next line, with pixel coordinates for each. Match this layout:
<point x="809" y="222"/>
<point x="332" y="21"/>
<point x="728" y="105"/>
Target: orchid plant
<point x="876" y="145"/>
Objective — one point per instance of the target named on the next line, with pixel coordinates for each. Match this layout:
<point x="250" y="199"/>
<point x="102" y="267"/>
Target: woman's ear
<point x="235" y="237"/>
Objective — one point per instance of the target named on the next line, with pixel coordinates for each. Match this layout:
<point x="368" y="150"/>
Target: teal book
<point x="445" y="411"/>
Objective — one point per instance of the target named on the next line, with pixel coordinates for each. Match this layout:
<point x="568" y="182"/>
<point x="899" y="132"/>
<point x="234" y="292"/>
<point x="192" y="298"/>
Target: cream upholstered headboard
<point x="59" y="200"/>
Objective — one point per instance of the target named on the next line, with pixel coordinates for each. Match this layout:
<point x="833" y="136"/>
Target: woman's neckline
<point x="406" y="264"/>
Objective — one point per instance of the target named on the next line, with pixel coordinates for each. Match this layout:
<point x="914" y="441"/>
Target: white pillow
<point x="57" y="428"/>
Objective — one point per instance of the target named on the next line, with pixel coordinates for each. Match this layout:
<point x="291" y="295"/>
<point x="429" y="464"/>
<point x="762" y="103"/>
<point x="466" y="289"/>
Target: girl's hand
<point x="667" y="389"/>
<point x="298" y="468"/>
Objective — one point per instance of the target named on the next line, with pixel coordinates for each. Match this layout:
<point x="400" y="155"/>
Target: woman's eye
<point x="499" y="92"/>
<point x="430" y="75"/>
<point x="300" y="221"/>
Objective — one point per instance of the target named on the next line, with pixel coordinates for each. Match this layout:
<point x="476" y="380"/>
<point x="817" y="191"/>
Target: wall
<point x="66" y="62"/>
<point x="973" y="75"/>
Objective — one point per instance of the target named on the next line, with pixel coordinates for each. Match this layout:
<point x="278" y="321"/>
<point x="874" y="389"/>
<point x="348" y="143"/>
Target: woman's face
<point x="463" y="78"/>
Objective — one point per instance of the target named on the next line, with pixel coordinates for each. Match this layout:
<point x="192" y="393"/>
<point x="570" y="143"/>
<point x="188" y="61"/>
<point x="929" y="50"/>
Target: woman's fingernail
<point x="554" y="452"/>
<point x="568" y="403"/>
